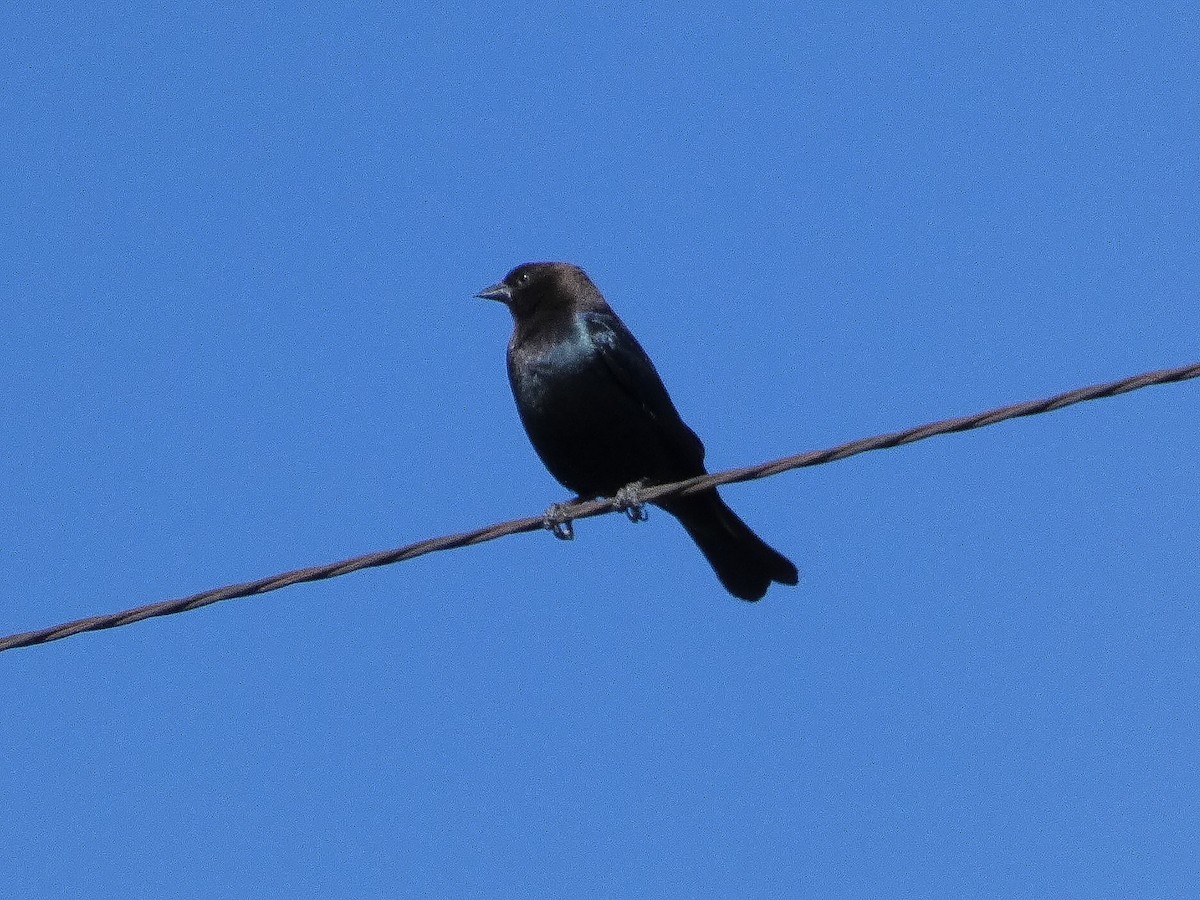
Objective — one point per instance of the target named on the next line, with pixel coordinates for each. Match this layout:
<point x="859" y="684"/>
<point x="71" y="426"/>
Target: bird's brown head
<point x="540" y="287"/>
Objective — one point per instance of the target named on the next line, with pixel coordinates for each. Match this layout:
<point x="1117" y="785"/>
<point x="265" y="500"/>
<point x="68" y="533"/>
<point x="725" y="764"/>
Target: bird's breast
<point x="593" y="433"/>
<point x="546" y="376"/>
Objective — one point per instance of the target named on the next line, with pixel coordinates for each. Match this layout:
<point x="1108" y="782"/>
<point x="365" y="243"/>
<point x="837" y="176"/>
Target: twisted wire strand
<point x="588" y="509"/>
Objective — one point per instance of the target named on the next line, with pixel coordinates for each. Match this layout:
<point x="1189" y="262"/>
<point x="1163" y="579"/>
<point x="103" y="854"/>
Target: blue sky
<point x="239" y="249"/>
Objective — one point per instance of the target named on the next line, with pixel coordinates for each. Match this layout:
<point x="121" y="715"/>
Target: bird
<point x="601" y="420"/>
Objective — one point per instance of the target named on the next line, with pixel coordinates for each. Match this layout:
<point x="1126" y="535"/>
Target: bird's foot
<point x="558" y="523"/>
<point x="629" y="501"/>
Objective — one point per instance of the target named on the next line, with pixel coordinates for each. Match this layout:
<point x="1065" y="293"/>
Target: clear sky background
<point x="237" y="254"/>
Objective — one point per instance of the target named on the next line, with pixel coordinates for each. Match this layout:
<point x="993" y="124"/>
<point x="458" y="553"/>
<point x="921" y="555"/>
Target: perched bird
<point x="601" y="420"/>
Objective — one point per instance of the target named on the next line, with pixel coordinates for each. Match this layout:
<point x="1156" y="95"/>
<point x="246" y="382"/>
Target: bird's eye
<point x="523" y="279"/>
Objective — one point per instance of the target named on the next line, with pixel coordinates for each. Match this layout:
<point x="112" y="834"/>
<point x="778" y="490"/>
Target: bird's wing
<point x="633" y="371"/>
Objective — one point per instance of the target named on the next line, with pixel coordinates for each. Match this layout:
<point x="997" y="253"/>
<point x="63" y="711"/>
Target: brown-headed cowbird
<point x="601" y="420"/>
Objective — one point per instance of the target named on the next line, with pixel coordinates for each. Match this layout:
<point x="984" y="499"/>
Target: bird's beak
<point x="501" y="292"/>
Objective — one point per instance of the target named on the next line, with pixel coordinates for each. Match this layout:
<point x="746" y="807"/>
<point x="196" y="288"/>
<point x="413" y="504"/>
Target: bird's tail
<point x="743" y="561"/>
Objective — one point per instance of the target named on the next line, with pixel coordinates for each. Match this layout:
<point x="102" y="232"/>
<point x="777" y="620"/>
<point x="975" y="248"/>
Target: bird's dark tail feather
<point x="744" y="563"/>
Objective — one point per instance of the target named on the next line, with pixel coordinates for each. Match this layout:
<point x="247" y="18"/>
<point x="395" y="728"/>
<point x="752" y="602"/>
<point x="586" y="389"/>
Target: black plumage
<point x="600" y="418"/>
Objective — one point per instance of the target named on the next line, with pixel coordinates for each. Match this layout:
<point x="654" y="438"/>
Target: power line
<point x="566" y="514"/>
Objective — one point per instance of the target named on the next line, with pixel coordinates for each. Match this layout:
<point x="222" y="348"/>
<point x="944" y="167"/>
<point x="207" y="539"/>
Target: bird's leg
<point x="557" y="522"/>
<point x="629" y="500"/>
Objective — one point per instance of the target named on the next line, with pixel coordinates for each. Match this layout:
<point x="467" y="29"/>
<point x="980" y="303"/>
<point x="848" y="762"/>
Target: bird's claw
<point x="557" y="523"/>
<point x="629" y="501"/>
